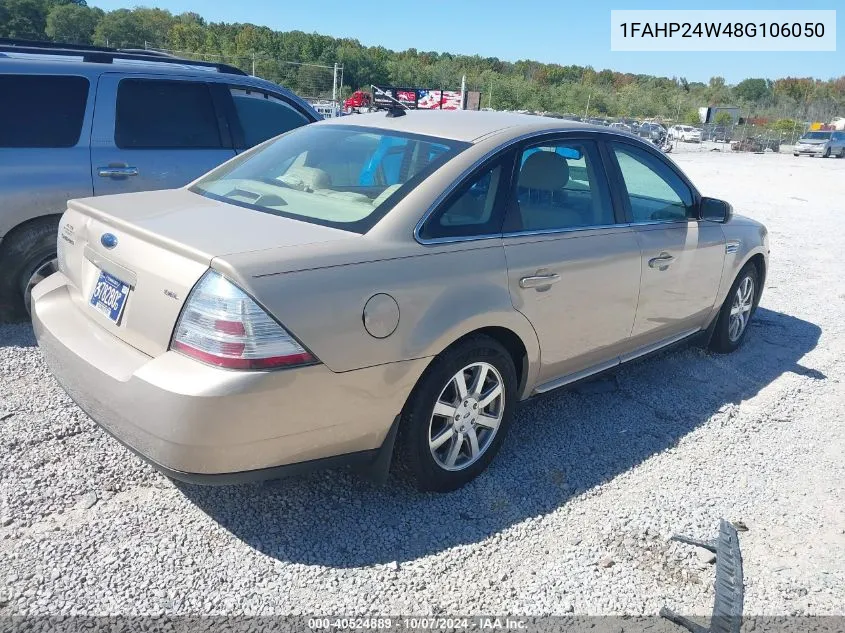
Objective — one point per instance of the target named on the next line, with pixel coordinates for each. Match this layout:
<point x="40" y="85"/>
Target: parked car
<point x="77" y="122"/>
<point x="618" y="125"/>
<point x="403" y="277"/>
<point x="821" y="143"/>
<point x="653" y="132"/>
<point x="718" y="134"/>
<point x="686" y="133"/>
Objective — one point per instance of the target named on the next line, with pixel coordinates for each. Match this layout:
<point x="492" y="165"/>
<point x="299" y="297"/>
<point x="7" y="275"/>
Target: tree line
<point x="530" y="85"/>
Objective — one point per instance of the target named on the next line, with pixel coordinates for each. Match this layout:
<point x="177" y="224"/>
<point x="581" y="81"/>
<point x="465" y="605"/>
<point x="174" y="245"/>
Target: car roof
<point x="460" y="125"/>
<point x="46" y="64"/>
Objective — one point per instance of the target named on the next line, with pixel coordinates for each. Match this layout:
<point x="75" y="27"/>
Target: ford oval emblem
<point x="108" y="240"/>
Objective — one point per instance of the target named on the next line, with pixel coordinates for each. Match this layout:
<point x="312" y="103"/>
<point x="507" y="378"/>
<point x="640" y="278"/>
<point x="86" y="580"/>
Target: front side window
<point x="41" y="110"/>
<point x="156" y="114"/>
<point x="558" y="187"/>
<point x="655" y="191"/>
<point x="263" y="116"/>
<point x="335" y="175"/>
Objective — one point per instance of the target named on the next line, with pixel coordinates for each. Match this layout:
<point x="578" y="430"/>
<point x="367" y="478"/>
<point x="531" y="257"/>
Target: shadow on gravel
<point x="16" y="335"/>
<point x="560" y="445"/>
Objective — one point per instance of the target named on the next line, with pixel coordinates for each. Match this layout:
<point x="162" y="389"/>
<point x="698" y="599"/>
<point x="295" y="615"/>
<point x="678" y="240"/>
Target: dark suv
<point x="86" y="121"/>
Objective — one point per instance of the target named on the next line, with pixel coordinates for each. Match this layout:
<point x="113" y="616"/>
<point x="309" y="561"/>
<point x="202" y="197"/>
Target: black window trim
<point x="223" y="127"/>
<point x="615" y="172"/>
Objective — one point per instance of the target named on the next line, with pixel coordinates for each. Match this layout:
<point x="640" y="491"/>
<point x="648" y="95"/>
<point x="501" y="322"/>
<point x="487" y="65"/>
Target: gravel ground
<point x="572" y="517"/>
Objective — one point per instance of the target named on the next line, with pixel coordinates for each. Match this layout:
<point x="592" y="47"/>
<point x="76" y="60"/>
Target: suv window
<point x="41" y="110"/>
<point x="471" y="212"/>
<point x="263" y="116"/>
<point x="161" y="114"/>
<point x="558" y="188"/>
<point x="655" y="191"/>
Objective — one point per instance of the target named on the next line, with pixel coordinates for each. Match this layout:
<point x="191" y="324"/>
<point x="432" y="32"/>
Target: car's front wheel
<point x="458" y="414"/>
<point x="736" y="312"/>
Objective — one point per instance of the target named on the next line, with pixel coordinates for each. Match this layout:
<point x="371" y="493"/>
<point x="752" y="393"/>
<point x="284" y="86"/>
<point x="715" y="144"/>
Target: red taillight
<point x="221" y="325"/>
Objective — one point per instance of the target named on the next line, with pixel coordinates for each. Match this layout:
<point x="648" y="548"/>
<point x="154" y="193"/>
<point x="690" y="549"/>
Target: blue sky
<point x="554" y="31"/>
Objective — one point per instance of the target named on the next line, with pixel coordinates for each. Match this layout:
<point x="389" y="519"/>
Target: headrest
<point x="306" y="178"/>
<point x="544" y="170"/>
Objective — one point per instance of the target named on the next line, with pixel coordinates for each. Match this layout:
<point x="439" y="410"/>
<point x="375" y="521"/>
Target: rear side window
<point x="263" y="116"/>
<point x="471" y="212"/>
<point x="558" y="188"/>
<point x="41" y="110"/>
<point x="154" y="114"/>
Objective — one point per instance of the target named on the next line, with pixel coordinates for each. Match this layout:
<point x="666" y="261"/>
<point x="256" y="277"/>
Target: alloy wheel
<point x="466" y="416"/>
<point x="741" y="309"/>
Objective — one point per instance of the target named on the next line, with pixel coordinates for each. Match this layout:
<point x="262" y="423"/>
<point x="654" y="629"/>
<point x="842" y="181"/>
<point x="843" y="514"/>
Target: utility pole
<point x="587" y="109"/>
<point x="334" y="84"/>
<point x="253" y="63"/>
<point x="490" y="101"/>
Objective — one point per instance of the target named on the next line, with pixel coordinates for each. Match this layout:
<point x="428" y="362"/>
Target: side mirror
<point x="716" y="210"/>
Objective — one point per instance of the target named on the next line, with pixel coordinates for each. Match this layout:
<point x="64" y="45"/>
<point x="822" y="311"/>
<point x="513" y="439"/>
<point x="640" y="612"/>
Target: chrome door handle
<point x="117" y="172"/>
<point x="539" y="280"/>
<point x="661" y="262"/>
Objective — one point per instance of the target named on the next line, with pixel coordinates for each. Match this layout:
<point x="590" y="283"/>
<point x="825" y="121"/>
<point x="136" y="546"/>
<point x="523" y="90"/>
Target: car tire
<point x="431" y="440"/>
<point x="737" y="311"/>
<point x="826" y="153"/>
<point x="27" y="255"/>
<point x="795" y="154"/>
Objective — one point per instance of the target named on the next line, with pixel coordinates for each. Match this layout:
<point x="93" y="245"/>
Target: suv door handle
<point x="661" y="262"/>
<point x="117" y="171"/>
<point x="539" y="280"/>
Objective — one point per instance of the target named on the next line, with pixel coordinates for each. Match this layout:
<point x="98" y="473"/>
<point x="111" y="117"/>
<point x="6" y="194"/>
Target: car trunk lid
<point x="153" y="247"/>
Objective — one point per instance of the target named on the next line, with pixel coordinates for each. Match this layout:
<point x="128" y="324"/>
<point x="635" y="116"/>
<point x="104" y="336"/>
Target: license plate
<point x="109" y="296"/>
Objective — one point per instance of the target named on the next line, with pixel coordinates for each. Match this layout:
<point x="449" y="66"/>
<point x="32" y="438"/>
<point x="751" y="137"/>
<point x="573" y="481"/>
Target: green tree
<point x="23" y="19"/>
<point x="753" y="89"/>
<point x="691" y="117"/>
<point x="73" y="23"/>
<point x="124" y="28"/>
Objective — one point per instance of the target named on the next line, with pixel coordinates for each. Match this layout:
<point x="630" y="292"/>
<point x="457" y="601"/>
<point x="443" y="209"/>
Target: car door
<point x="682" y="257"/>
<point x="258" y="115"/>
<point x="155" y="133"/>
<point x="573" y="265"/>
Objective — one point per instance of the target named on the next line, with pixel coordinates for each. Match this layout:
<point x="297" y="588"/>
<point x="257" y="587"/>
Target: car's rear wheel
<point x="458" y="415"/>
<point x="736" y="312"/>
<point x="28" y="256"/>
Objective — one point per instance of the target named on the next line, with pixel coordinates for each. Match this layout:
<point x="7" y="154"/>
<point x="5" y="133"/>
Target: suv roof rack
<point x="103" y="55"/>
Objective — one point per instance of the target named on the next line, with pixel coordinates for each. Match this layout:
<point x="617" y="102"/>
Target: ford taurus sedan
<point x="384" y="283"/>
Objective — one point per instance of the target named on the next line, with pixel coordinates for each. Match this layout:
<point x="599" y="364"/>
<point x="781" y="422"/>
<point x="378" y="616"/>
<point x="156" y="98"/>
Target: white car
<point x="685" y="133"/>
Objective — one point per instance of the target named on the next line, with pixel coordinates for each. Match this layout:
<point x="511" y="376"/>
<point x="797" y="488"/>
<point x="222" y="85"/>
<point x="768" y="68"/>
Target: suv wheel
<point x="458" y="415"/>
<point x="28" y="253"/>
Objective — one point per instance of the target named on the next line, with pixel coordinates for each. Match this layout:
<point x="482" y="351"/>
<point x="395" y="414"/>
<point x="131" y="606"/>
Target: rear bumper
<point x="204" y="424"/>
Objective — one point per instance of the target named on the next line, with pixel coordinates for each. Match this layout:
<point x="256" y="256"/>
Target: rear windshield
<point x="817" y="135"/>
<point x="346" y="177"/>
